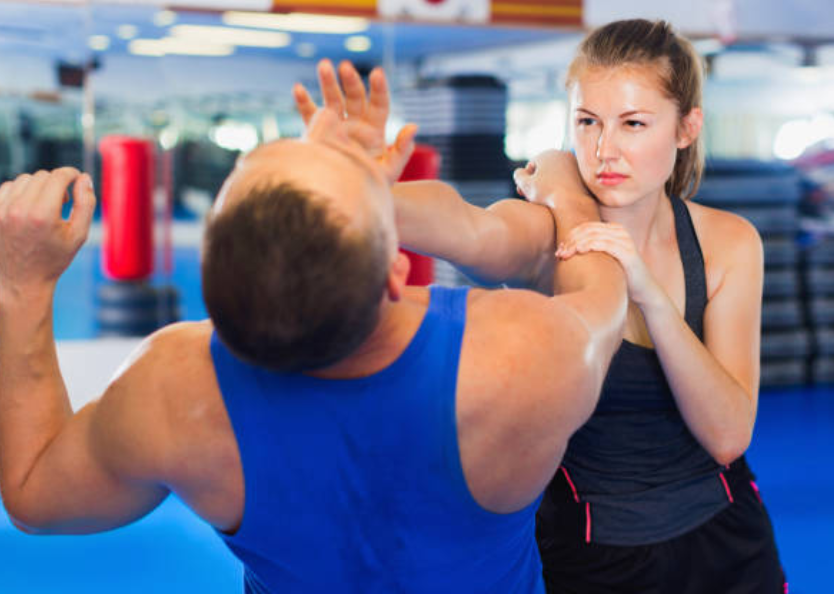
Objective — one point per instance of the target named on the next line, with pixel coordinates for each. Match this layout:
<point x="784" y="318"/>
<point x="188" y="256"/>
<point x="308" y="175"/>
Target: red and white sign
<point x="468" y="11"/>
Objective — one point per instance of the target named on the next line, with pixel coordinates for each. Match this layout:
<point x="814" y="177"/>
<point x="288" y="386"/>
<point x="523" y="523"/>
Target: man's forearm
<point x="33" y="400"/>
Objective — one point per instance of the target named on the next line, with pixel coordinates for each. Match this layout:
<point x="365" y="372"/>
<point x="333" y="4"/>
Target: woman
<point x="654" y="494"/>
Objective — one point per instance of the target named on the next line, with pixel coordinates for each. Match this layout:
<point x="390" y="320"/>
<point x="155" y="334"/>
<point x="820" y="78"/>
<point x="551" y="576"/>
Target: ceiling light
<point x="127" y="31"/>
<point x="99" y="43"/>
<point x="147" y="47"/>
<point x="297" y="22"/>
<point x="169" y="137"/>
<point x="171" y="45"/>
<point x="235" y="136"/>
<point x="165" y="18"/>
<point x="358" y="43"/>
<point x="795" y="136"/>
<point x="225" y="35"/>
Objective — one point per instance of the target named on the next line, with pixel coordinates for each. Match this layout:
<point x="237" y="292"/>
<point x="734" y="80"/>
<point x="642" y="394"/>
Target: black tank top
<point x="636" y="470"/>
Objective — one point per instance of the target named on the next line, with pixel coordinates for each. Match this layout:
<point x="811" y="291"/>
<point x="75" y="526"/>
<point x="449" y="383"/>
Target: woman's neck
<point x="646" y="220"/>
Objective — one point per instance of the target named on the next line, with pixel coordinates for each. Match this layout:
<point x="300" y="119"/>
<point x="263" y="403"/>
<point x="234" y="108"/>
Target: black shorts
<point x="733" y="553"/>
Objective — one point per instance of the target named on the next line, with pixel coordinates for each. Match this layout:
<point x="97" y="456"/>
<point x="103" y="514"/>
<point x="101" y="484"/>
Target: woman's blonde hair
<point x="640" y="42"/>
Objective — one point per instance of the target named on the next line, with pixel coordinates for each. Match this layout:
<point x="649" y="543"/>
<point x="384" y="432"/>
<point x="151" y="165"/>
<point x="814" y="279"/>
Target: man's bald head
<point x="296" y="257"/>
<point x="343" y="177"/>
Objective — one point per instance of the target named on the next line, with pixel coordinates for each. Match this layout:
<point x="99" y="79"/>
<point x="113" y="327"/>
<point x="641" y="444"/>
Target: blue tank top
<point x="639" y="474"/>
<point x="356" y="486"/>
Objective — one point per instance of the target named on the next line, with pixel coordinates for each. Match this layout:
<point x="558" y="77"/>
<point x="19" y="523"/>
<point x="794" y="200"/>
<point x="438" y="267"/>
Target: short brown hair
<point x="288" y="283"/>
<point x="653" y="43"/>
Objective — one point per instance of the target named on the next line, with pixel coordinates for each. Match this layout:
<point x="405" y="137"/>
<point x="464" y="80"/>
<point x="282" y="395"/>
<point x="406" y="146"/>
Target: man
<point x="341" y="431"/>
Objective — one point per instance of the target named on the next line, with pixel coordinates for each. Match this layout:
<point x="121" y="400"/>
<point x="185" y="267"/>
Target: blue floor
<point x="170" y="551"/>
<point x="75" y="308"/>
<point x="792" y="454"/>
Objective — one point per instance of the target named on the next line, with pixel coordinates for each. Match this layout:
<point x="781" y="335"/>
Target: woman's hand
<point x="364" y="114"/>
<point x="614" y="240"/>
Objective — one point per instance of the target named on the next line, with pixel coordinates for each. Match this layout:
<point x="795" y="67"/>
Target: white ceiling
<point x="35" y="36"/>
<point x="798" y="19"/>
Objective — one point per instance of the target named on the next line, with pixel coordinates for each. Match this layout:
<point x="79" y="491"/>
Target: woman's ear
<point x="690" y="127"/>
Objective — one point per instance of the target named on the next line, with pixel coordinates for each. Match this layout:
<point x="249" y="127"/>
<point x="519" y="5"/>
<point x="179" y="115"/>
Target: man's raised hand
<point x="36" y="243"/>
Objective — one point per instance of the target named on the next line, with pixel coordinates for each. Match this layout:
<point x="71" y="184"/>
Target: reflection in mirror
<point x="41" y="86"/>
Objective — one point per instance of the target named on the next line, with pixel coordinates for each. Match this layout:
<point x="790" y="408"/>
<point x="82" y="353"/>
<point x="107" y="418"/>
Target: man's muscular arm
<point x="53" y="473"/>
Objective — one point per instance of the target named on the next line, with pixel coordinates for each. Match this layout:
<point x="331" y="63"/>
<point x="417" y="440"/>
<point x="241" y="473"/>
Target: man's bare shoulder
<point x="163" y="419"/>
<point x="167" y="378"/>
<point x="522" y="337"/>
<point x="181" y="351"/>
<point x="173" y="359"/>
<point x="519" y="308"/>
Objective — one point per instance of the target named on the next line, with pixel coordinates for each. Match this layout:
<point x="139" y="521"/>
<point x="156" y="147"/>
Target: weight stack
<point x="134" y="308"/>
<point x="464" y="119"/>
<point x="768" y="194"/>
<point x="818" y="271"/>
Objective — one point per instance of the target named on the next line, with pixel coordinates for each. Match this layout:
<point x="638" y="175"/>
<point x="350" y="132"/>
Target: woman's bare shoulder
<point x="727" y="241"/>
<point x="722" y="229"/>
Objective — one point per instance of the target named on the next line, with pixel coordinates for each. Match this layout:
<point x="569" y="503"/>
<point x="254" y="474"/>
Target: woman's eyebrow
<point x="588" y="111"/>
<point x="636" y="112"/>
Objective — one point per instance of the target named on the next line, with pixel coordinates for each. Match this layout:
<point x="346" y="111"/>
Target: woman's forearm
<point x="719" y="411"/>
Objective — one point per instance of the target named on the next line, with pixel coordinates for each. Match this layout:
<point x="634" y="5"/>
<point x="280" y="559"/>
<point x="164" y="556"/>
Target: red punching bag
<point x="423" y="164"/>
<point x="127" y="179"/>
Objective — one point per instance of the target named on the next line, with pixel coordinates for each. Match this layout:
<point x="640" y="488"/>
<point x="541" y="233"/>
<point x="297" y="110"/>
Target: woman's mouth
<point x="611" y="179"/>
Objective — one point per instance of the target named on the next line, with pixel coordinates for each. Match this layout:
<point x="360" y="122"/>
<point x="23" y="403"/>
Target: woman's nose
<point x="607" y="146"/>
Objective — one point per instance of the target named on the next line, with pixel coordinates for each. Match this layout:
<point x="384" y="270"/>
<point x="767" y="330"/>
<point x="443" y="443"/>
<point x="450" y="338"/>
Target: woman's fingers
<point x="354" y="90"/>
<point x="304" y="103"/>
<point x="331" y="92"/>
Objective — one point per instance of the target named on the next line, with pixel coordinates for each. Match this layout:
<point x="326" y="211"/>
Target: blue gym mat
<point x="170" y="551"/>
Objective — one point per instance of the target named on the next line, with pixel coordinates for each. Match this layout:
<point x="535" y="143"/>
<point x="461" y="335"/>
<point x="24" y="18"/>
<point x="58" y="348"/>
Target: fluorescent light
<point x="171" y="45"/>
<point x="795" y="136"/>
<point x="169" y="137"/>
<point x="358" y="43"/>
<point x="127" y="31"/>
<point x="147" y="47"/>
<point x="165" y="18"/>
<point x="297" y="22"/>
<point x="226" y="35"/>
<point x="792" y="139"/>
<point x="99" y="43"/>
<point x="235" y="136"/>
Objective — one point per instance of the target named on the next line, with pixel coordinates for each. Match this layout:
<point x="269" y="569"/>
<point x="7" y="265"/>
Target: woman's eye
<point x="635" y="124"/>
<point x="585" y="121"/>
